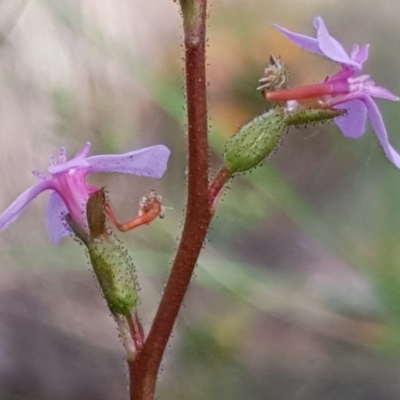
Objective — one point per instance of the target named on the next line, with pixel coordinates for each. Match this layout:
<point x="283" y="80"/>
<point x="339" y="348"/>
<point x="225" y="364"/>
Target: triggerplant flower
<point x="69" y="190"/>
<point x="343" y="90"/>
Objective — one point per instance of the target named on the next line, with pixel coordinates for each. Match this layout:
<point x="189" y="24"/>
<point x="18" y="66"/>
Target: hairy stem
<point x="144" y="368"/>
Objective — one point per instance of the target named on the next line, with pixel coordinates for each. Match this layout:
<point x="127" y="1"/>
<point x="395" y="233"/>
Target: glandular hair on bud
<point x="115" y="273"/>
<point x="305" y="116"/>
<point x="254" y="141"/>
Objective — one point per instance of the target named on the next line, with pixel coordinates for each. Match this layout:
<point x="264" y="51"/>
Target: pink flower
<point x="69" y="190"/>
<point x="343" y="90"/>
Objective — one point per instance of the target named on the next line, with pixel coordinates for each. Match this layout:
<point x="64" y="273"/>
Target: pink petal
<point x="74" y="163"/>
<point x="56" y="225"/>
<point x="150" y="162"/>
<point x="383" y="93"/>
<point x="330" y="47"/>
<point x="307" y="43"/>
<point x="352" y="124"/>
<point x="378" y="125"/>
<point x="84" y="151"/>
<point x="15" y="209"/>
<point x="360" y="54"/>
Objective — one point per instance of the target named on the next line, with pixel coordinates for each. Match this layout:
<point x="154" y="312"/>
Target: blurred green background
<point x="297" y="291"/>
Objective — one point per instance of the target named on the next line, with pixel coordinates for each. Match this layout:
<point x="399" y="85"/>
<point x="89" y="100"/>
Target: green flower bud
<point x="111" y="262"/>
<point x="115" y="272"/>
<point x="254" y="141"/>
<point x="304" y="116"/>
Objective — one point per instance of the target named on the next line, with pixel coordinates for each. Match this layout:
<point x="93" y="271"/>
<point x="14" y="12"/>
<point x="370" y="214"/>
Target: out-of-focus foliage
<point x="297" y="292"/>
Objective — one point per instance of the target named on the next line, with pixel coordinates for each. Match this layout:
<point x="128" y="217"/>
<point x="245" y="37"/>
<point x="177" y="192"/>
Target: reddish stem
<point x="144" y="368"/>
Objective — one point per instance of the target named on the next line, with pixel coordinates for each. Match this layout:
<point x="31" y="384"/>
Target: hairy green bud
<point x="254" y="141"/>
<point x="109" y="257"/>
<point x="114" y="270"/>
